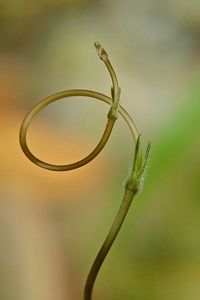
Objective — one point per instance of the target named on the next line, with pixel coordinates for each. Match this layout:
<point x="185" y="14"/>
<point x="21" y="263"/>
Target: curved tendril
<point x="104" y="56"/>
<point x="132" y="186"/>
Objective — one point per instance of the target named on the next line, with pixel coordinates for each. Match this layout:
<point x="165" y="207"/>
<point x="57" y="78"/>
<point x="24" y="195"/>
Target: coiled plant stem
<point x="133" y="184"/>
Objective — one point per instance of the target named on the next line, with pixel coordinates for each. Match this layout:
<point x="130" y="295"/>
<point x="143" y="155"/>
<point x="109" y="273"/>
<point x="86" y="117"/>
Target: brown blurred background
<point x="52" y="224"/>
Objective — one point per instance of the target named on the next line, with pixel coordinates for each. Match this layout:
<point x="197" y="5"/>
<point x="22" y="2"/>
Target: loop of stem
<point x="137" y="170"/>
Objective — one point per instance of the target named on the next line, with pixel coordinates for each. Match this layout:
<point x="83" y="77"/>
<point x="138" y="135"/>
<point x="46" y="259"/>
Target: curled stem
<point x="133" y="184"/>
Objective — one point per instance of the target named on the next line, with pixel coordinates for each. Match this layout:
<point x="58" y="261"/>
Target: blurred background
<point x="52" y="224"/>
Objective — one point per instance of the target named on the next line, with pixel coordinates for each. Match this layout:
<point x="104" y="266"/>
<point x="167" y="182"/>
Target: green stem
<point x="115" y="228"/>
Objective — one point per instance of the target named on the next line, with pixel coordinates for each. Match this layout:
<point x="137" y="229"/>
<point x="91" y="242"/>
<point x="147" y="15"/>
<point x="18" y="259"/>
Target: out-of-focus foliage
<point x="52" y="224"/>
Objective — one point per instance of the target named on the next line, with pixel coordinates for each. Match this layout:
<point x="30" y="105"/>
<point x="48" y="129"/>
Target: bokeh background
<point x="52" y="224"/>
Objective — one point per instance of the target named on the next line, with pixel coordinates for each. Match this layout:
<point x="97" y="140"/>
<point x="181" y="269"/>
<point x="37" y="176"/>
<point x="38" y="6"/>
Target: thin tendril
<point x="132" y="184"/>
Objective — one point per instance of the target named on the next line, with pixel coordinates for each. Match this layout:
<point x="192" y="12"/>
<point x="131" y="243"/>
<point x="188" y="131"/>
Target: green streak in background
<point x="176" y="139"/>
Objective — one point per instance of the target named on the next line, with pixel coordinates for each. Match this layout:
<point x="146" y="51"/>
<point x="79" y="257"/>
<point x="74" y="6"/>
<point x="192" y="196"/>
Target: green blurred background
<point x="52" y="224"/>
